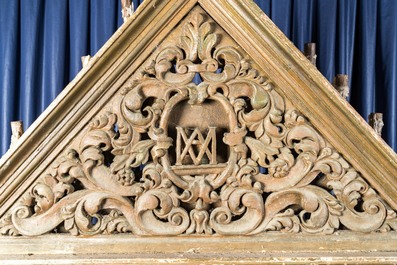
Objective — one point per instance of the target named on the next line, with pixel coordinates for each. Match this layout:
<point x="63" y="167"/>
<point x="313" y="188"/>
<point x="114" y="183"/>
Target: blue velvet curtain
<point x="41" y="43"/>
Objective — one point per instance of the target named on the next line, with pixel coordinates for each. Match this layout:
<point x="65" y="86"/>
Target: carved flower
<point x="279" y="168"/>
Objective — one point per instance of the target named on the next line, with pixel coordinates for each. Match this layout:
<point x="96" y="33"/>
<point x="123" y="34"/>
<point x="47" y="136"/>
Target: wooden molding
<point x="199" y="121"/>
<point x="273" y="248"/>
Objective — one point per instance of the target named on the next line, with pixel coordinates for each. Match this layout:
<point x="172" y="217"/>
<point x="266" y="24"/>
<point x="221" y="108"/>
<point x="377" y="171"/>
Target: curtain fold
<point x="31" y="21"/>
<point x="42" y="41"/>
<point x="364" y="65"/>
<point x="79" y="34"/>
<point x="303" y="18"/>
<point x="386" y="69"/>
<point x="9" y="72"/>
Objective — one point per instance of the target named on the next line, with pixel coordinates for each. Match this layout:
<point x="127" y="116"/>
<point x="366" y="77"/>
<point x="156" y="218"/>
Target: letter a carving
<point x="188" y="146"/>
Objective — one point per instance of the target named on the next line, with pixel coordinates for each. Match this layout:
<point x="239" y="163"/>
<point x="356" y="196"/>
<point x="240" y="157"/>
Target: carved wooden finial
<point x="17" y="131"/>
<point x="375" y="120"/>
<point x="341" y="83"/>
<point x="310" y="52"/>
<point x="85" y="60"/>
<point x="127" y="8"/>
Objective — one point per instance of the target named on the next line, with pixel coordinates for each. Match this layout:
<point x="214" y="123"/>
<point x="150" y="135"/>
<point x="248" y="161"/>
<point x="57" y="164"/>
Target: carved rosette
<point x="199" y="142"/>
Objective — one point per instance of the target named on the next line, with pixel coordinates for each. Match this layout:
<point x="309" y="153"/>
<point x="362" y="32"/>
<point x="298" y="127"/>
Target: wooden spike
<point x="17" y="131"/>
<point x="127" y="9"/>
<point x="310" y="52"/>
<point x="375" y="120"/>
<point x="341" y="83"/>
<point x="85" y="60"/>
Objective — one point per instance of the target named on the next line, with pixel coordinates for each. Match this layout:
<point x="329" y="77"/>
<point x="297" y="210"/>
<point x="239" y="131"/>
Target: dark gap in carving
<point x="221" y="65"/>
<point x="172" y="151"/>
<point x="306" y="216"/>
<point x="173" y="93"/>
<point x="116" y="131"/>
<point x="77" y="185"/>
<point x="94" y="220"/>
<point x="280" y="129"/>
<point x="293" y="150"/>
<point x="218" y="192"/>
<point x="147" y="104"/>
<point x="144" y="136"/>
<point x="184" y="55"/>
<point x="220" y="90"/>
<point x="236" y="217"/>
<point x="213" y="51"/>
<point x="173" y="66"/>
<point x="75" y="154"/>
<point x="359" y="206"/>
<point x="223" y="150"/>
<point x="251" y="134"/>
<point x="197" y="61"/>
<point x="108" y="158"/>
<point x="188" y="206"/>
<point x="197" y="79"/>
<point x="265" y="195"/>
<point x="248" y="106"/>
<point x="263" y="170"/>
<point x="60" y="229"/>
<point x="322" y="181"/>
<point x="138" y="172"/>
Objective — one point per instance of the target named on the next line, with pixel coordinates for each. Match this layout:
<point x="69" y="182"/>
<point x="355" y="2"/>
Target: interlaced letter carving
<point x="196" y="139"/>
<point x="129" y="170"/>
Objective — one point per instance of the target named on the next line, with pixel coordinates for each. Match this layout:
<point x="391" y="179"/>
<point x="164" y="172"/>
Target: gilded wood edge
<point x="63" y="114"/>
<point x="333" y="116"/>
<point x="346" y="247"/>
<point x="194" y="259"/>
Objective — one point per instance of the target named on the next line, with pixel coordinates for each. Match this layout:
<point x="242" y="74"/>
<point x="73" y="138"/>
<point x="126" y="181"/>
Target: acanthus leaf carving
<point x="199" y="141"/>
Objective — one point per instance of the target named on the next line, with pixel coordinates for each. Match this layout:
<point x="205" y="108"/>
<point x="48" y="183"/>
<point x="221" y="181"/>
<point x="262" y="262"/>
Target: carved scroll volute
<point x="198" y="141"/>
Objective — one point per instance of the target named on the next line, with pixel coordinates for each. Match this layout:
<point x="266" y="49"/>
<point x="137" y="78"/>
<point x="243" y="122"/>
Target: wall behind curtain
<point x="41" y="43"/>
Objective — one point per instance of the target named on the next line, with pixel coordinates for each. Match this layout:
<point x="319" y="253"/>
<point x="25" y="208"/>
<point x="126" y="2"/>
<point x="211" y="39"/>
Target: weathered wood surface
<point x="298" y="157"/>
<point x="226" y="155"/>
<point x="343" y="248"/>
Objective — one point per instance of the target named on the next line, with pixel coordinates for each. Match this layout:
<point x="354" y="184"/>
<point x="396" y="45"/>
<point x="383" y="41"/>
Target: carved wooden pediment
<point x="198" y="118"/>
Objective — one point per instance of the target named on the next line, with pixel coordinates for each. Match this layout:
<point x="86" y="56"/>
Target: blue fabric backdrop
<point x="41" y="43"/>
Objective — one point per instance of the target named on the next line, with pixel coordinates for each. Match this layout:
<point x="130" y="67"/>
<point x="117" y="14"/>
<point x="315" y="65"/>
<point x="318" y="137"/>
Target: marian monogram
<point x="200" y="150"/>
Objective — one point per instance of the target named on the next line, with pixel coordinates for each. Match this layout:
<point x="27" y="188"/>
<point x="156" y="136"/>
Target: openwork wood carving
<point x="199" y="142"/>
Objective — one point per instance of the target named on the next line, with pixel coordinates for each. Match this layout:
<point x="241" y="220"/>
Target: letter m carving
<point x="195" y="146"/>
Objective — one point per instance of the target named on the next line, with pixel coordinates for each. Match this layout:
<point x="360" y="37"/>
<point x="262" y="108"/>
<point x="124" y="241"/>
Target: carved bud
<point x="341" y="83"/>
<point x="17" y="131"/>
<point x="127" y="8"/>
<point x="376" y="122"/>
<point x="310" y="52"/>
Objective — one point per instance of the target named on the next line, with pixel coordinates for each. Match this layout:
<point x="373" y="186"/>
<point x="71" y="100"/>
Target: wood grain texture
<point x="122" y="152"/>
<point x="343" y="248"/>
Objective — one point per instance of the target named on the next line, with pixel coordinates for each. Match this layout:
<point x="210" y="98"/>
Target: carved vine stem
<point x="247" y="164"/>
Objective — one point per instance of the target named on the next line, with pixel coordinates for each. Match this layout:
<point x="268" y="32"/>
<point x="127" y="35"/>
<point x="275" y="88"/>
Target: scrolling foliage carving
<point x="199" y="142"/>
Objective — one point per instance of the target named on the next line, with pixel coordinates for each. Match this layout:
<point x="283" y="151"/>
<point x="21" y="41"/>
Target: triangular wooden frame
<point x="298" y="81"/>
